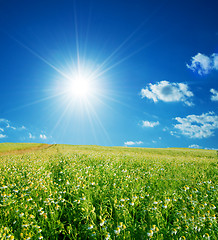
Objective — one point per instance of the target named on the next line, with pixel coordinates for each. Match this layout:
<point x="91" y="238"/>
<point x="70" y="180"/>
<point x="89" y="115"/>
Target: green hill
<point x="92" y="192"/>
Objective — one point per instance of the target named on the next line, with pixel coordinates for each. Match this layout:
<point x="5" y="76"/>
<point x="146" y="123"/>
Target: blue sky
<point x="112" y="73"/>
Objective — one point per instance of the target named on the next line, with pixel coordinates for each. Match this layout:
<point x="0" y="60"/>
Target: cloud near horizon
<point x="202" y="64"/>
<point x="4" y="121"/>
<point x="131" y="143"/>
<point x="194" y="146"/>
<point x="150" y="124"/>
<point x="168" y="92"/>
<point x="43" y="136"/>
<point x="2" y="135"/>
<point x="198" y="126"/>
<point x="7" y="124"/>
<point x="31" y="136"/>
<point x="10" y="130"/>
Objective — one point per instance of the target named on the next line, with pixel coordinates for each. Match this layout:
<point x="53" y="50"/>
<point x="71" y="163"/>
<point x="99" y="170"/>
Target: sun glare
<point x="80" y="87"/>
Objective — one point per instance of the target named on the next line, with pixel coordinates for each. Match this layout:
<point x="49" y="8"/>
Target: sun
<point x="80" y="86"/>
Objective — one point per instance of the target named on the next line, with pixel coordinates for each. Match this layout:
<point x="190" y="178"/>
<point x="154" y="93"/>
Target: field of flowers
<point x="91" y="192"/>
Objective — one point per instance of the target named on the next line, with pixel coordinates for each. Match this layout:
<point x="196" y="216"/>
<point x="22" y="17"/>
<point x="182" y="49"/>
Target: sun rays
<point x="80" y="84"/>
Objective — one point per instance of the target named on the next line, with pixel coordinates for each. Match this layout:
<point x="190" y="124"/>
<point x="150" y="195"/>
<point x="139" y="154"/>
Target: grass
<point x="92" y="192"/>
<point x="8" y="148"/>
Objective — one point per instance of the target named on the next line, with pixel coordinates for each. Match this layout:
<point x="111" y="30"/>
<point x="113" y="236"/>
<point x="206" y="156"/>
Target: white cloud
<point x="168" y="92"/>
<point x="215" y="61"/>
<point x="198" y="126"/>
<point x="14" y="128"/>
<point x="165" y="129"/>
<point x="31" y="136"/>
<point x="130" y="143"/>
<point x="16" y="131"/>
<point x="42" y="136"/>
<point x="210" y="148"/>
<point x="194" y="146"/>
<point x="2" y="135"/>
<point x="3" y="120"/>
<point x="7" y="123"/>
<point x="173" y="133"/>
<point x="214" y="97"/>
<point x="149" y="124"/>
<point x="202" y="64"/>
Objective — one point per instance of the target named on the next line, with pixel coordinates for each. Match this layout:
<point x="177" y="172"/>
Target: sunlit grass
<point x="91" y="192"/>
<point x="7" y="147"/>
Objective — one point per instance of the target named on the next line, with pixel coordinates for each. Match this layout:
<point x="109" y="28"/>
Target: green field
<point x="91" y="192"/>
<point x="14" y="147"/>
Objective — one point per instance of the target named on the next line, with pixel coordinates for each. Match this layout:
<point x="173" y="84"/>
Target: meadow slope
<point x="17" y="148"/>
<point x="92" y="192"/>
